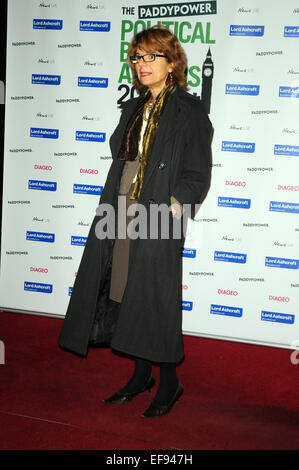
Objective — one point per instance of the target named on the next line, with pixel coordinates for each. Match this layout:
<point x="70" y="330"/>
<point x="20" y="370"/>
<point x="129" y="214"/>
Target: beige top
<point x="129" y="173"/>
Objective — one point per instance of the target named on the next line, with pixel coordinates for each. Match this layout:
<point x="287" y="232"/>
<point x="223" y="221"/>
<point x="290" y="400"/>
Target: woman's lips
<point x="144" y="74"/>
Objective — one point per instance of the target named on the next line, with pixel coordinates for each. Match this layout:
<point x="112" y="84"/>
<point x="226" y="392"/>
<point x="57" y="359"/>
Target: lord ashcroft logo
<point x="91" y="136"/>
<point x="188" y="252"/>
<point x="87" y="189"/>
<point x="231" y="146"/>
<point x="277" y="317"/>
<point x="42" y="185"/>
<point x="38" y="79"/>
<point x="287" y="263"/>
<point x="230" y="257"/>
<point x="239" y="203"/>
<point x="96" y="82"/>
<point x="97" y="26"/>
<point x="288" y="92"/>
<point x="177" y="9"/>
<point x="38" y="287"/>
<point x="187" y="305"/>
<point x="44" y="133"/>
<point x="47" y="24"/>
<point x="78" y="241"/>
<point x="291" y="32"/>
<point x="278" y="206"/>
<point x="40" y="236"/>
<point x="246" y="30"/>
<point x="241" y="89"/>
<point x="226" y="310"/>
<point x="289" y="150"/>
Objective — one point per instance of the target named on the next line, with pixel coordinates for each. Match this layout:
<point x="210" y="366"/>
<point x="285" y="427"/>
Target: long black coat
<point x="149" y="324"/>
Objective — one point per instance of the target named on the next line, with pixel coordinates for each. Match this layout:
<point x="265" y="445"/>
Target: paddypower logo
<point x="98" y="26"/>
<point x="188" y="252"/>
<point x="287" y="263"/>
<point x="78" y="241"/>
<point x="230" y="146"/>
<point x="42" y="185"/>
<point x="230" y="257"/>
<point x="289" y="150"/>
<point x="91" y="136"/>
<point x="87" y="189"/>
<point x="44" y="133"/>
<point x="291" y="32"/>
<point x="226" y="310"/>
<point x="187" y="305"/>
<point x="40" y="237"/>
<point x="93" y="82"/>
<point x="277" y="317"/>
<point x="246" y="30"/>
<point x="288" y="92"/>
<point x="239" y="89"/>
<point x="38" y="287"/>
<point x="239" y="203"/>
<point x="47" y="24"/>
<point x="278" y="206"/>
<point x="45" y="79"/>
<point x="177" y="9"/>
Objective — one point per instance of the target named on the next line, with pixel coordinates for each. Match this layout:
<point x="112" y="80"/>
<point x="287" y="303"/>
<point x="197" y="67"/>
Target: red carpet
<point x="237" y="396"/>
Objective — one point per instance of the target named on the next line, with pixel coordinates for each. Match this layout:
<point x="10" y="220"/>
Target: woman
<point x="161" y="155"/>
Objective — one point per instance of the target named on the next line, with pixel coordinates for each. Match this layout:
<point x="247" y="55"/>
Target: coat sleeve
<point x="195" y="158"/>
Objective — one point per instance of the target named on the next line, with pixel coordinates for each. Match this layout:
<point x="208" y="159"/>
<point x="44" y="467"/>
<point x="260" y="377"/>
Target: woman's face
<point x="153" y="74"/>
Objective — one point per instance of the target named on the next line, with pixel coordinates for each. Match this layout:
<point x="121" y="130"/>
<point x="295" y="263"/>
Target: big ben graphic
<point x="207" y="77"/>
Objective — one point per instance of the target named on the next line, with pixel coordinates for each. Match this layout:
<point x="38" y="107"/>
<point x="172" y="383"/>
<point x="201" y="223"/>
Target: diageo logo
<point x="227" y="292"/>
<point x="279" y="298"/>
<point x="36" y="269"/>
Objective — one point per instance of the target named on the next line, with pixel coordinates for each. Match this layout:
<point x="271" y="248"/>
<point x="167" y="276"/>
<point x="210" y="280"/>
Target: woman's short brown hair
<point x="160" y="39"/>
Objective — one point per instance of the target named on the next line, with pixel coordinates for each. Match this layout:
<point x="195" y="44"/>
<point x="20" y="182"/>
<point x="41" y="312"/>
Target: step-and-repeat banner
<point x="66" y="78"/>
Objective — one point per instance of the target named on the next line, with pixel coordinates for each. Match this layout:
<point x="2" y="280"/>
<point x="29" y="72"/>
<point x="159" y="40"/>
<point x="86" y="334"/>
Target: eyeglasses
<point x="146" y="57"/>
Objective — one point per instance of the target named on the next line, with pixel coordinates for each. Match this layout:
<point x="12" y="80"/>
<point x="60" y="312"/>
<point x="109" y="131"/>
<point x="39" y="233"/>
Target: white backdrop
<point x="66" y="76"/>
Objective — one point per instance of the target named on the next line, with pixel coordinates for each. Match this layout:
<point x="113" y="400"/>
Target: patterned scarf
<point x="129" y="149"/>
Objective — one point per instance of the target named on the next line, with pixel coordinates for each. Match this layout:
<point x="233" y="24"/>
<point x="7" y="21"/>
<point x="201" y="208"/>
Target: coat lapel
<point x="117" y="136"/>
<point x="168" y="126"/>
